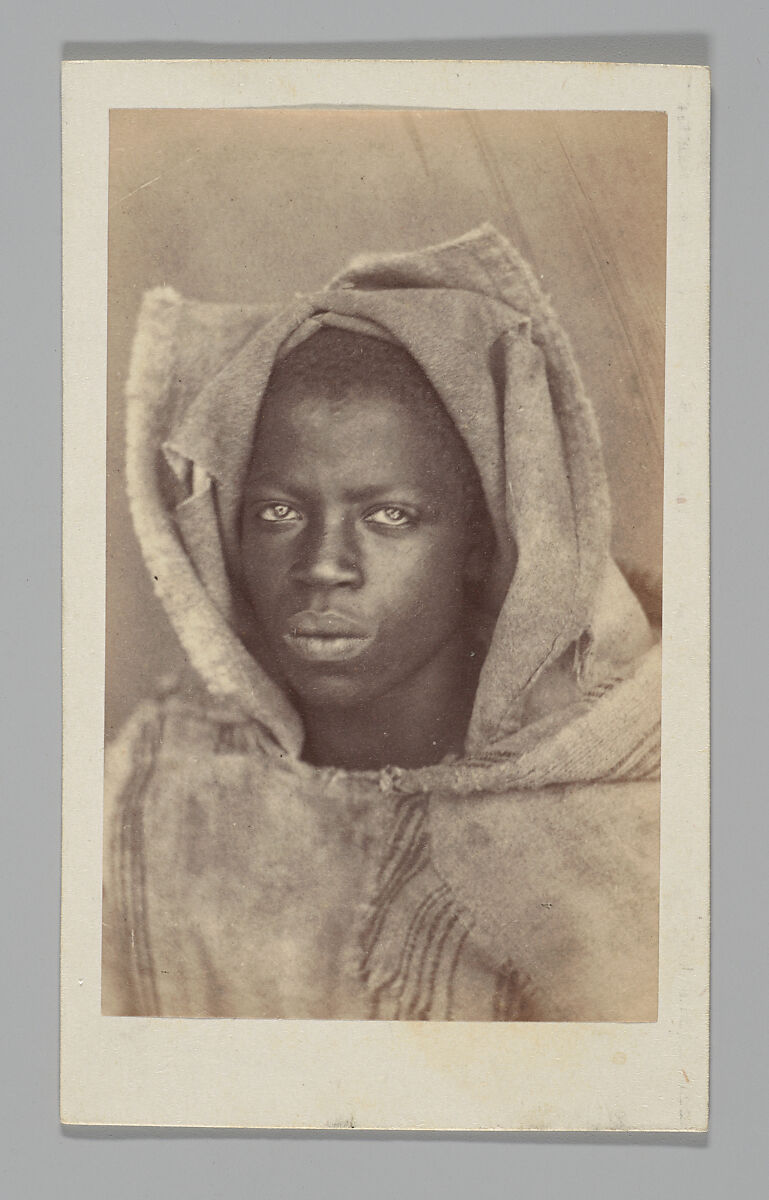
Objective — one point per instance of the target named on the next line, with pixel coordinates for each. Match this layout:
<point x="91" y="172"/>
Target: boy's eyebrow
<point x="386" y="489"/>
<point x="381" y="489"/>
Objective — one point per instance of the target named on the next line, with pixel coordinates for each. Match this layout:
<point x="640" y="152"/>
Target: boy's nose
<point x="329" y="558"/>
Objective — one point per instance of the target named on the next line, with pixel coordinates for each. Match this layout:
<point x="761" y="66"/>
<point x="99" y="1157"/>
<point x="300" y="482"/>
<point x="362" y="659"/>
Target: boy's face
<point x="354" y="543"/>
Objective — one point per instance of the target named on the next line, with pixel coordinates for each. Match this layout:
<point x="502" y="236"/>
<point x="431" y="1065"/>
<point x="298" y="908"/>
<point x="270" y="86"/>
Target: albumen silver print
<point x="386" y="407"/>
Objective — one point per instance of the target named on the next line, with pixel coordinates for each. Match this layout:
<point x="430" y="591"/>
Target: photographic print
<point x="386" y="480"/>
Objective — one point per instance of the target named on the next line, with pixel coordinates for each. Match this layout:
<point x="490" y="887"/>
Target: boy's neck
<point x="416" y="724"/>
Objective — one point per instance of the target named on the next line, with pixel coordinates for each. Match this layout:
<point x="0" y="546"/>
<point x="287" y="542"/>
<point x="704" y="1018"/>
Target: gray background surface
<point x="37" y="1159"/>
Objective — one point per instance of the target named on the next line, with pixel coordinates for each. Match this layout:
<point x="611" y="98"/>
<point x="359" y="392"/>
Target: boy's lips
<point x="325" y="624"/>
<point x="326" y="636"/>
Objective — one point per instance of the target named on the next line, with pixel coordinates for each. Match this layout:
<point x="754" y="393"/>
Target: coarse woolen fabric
<point x="517" y="882"/>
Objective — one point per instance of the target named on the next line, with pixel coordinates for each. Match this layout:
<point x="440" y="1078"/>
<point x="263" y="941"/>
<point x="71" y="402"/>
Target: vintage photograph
<point x="385" y="595"/>
<point x="385" y="414"/>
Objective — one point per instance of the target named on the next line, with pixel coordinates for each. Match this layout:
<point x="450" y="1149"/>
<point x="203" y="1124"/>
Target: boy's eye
<point x="390" y="516"/>
<point x="278" y="513"/>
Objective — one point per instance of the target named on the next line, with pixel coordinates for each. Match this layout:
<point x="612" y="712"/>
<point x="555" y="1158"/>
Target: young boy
<point x="418" y="778"/>
<point x="363" y="530"/>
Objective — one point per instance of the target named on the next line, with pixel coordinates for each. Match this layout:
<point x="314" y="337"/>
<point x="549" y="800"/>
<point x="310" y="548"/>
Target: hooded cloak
<point x="518" y="881"/>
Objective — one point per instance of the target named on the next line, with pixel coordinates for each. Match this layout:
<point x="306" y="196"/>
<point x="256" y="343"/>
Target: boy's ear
<point x="480" y="550"/>
<point x="476" y="565"/>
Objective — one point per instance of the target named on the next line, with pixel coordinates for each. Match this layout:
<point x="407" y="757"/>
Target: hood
<point x="472" y="315"/>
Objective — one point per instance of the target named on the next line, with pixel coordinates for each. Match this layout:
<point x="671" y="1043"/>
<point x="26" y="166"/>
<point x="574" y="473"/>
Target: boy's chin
<point x="332" y="692"/>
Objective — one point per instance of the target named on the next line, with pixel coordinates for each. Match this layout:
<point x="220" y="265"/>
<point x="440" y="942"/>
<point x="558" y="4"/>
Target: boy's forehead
<point x="305" y="411"/>
<point x="366" y="431"/>
<point x="329" y="392"/>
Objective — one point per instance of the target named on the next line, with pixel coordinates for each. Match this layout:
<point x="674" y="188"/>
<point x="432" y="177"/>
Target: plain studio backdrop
<point x="251" y="206"/>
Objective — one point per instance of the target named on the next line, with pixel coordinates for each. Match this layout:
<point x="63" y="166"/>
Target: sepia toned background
<point x="253" y="205"/>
